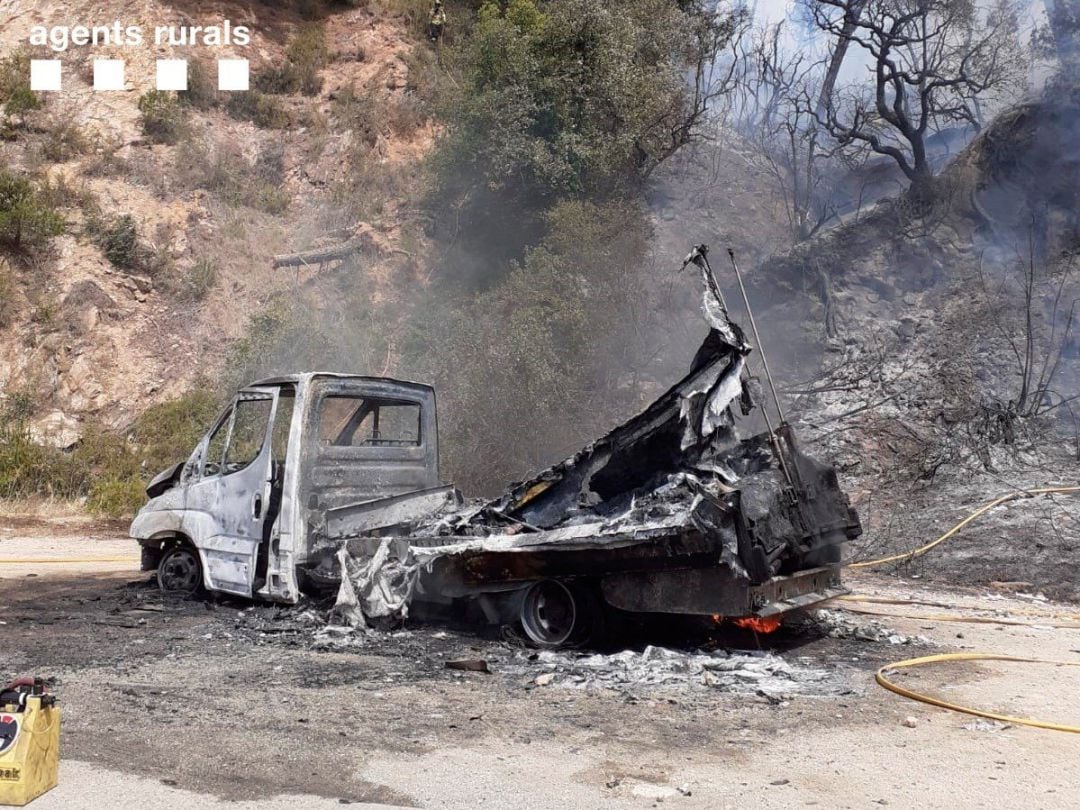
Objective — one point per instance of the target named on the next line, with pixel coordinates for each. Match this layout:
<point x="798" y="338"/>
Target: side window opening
<point x="215" y="449"/>
<point x="248" y="432"/>
<point x="353" y="421"/>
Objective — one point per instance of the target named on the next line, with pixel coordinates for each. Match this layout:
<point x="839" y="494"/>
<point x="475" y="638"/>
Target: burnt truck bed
<point x="660" y="570"/>
<point x="670" y="512"/>
<point x="679" y="549"/>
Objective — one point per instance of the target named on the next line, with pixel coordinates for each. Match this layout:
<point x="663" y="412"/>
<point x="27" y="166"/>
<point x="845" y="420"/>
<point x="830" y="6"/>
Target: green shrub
<point x="46" y="313"/>
<point x="167" y="433"/>
<point x="110" y="469"/>
<point x="202" y="92"/>
<point x="309" y="9"/>
<point x="200" y="279"/>
<point x="162" y="117"/>
<point x="116" y="497"/>
<point x="118" y="239"/>
<point x="27" y="468"/>
<point x="222" y="168"/>
<point x="415" y="13"/>
<point x="64" y="190"/>
<point x="16" y="97"/>
<point x="20" y="101"/>
<point x="105" y="159"/>
<point x="262" y="110"/>
<point x="26" y="220"/>
<point x="362" y="115"/>
<point x="305" y="56"/>
<point x="8" y="290"/>
<point x="64" y="140"/>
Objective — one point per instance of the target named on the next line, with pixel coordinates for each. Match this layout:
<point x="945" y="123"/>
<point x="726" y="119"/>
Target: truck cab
<point x="240" y="515"/>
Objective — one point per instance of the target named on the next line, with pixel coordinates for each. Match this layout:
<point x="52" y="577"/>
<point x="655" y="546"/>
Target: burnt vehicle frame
<point x="332" y="480"/>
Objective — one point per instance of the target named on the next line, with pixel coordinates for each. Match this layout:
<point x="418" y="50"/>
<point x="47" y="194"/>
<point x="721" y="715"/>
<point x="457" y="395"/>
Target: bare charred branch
<point x="932" y="63"/>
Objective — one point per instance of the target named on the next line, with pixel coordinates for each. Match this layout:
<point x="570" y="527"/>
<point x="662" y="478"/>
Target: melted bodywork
<point x="261" y="487"/>
<point x="669" y="512"/>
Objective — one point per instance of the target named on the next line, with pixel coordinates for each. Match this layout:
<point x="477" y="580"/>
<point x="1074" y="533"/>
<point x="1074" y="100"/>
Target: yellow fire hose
<point x="1050" y="621"/>
<point x="1011" y="496"/>
<point x="891" y="600"/>
<point x="880" y="676"/>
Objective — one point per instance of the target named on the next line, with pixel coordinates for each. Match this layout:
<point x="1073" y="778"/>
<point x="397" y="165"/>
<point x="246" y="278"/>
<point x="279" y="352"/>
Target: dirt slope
<point x="91" y="341"/>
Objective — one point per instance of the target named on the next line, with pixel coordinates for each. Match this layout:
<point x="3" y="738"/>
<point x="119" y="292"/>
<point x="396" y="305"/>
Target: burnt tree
<point x="932" y="63"/>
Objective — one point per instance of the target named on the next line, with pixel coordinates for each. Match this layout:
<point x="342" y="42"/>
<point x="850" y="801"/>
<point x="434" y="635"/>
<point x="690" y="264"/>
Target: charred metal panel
<point x="342" y="475"/>
<point x="381" y="514"/>
<point x="718" y="592"/>
<point x="708" y="591"/>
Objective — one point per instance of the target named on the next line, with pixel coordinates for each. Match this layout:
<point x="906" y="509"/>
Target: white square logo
<point x="108" y="74"/>
<point x="232" y="74"/>
<point x="172" y="74"/>
<point x="44" y="75"/>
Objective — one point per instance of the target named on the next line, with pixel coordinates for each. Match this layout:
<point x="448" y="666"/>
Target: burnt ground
<point x="175" y="687"/>
<point x="188" y="701"/>
<point x="1028" y="544"/>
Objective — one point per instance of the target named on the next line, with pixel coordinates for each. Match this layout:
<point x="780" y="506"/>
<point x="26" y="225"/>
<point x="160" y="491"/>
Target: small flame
<point x="759" y="624"/>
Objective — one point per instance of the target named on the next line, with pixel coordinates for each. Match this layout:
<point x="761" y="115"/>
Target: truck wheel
<point x="179" y="571"/>
<point x="561" y="614"/>
<point x="549" y="613"/>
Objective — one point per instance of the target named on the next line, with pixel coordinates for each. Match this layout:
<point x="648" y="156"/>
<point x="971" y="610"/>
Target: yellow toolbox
<point x="29" y="742"/>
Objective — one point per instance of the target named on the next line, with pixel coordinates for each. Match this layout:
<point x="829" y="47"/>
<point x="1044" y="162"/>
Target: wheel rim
<point x="548" y="613"/>
<point x="179" y="571"/>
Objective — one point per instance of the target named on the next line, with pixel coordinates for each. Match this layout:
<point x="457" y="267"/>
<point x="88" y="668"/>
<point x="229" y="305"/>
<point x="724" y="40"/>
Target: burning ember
<point x="766" y="624"/>
<point x="759" y="624"/>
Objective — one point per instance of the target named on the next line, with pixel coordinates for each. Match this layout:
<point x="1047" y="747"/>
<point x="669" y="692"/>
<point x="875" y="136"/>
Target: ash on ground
<point x="772" y="667"/>
<point x="838" y="624"/>
<point x="740" y="672"/>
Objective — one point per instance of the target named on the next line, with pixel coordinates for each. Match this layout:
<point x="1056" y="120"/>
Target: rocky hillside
<point x="947" y="365"/>
<point x="103" y="323"/>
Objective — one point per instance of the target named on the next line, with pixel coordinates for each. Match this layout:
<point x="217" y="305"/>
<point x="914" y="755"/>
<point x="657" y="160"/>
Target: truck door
<point x="234" y="491"/>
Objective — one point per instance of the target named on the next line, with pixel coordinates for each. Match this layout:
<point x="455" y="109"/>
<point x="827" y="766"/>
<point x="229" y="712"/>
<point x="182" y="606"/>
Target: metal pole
<point x="757" y="337"/>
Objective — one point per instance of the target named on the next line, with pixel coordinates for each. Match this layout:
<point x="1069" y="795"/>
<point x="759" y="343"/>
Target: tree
<point x="802" y="163"/>
<point x="565" y="99"/>
<point x="577" y="96"/>
<point x="933" y="63"/>
<point x="1063" y="17"/>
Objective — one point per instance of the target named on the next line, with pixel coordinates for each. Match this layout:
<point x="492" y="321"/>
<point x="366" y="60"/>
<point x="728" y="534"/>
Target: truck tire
<point x="554" y="614"/>
<point x="180" y="571"/>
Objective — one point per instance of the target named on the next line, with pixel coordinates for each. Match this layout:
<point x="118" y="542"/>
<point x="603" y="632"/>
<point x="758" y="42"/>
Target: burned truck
<point x="324" y="480"/>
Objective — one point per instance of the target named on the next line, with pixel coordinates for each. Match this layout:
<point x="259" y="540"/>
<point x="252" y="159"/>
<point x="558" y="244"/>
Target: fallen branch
<point x="321" y="255"/>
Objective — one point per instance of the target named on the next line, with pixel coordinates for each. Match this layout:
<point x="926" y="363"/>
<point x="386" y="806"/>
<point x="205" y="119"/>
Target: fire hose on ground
<point x="881" y="676"/>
